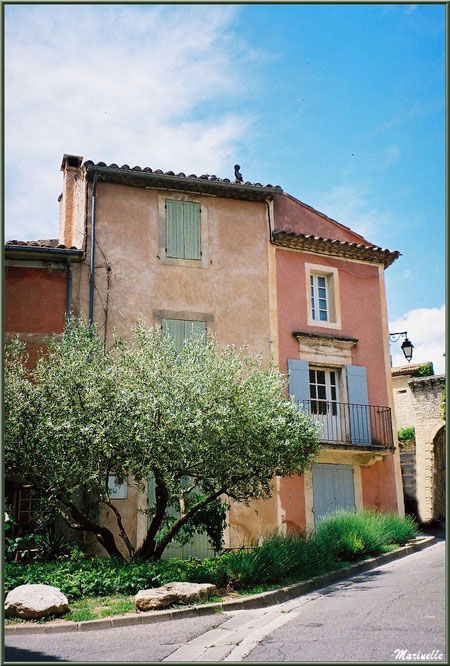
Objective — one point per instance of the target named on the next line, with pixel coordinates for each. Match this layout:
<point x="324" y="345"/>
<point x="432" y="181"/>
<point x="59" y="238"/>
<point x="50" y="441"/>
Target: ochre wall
<point x="230" y="285"/>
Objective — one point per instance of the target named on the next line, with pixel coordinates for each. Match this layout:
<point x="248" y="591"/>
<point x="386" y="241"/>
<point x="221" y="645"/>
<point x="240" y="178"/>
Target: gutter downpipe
<point x="69" y="290"/>
<point x="92" y="268"/>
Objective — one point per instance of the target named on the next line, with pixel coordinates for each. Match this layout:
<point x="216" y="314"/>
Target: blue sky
<point x="341" y="105"/>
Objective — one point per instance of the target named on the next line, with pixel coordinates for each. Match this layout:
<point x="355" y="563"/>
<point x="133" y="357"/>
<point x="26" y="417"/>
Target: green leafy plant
<point x="425" y="370"/>
<point x="407" y="438"/>
<point x="216" y="417"/>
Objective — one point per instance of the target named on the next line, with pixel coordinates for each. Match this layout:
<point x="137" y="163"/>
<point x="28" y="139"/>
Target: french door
<point x="324" y="392"/>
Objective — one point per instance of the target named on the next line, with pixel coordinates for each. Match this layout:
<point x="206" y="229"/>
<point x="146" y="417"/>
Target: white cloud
<point x="426" y="330"/>
<point x="146" y="85"/>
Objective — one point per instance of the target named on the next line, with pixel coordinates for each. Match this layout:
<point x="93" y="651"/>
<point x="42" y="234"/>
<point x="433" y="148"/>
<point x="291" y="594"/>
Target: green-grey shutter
<point x="191" y="216"/>
<point x="175" y="329"/>
<point x="174" y="229"/>
<point x="195" y="329"/>
<point x="299" y="381"/>
<point x="181" y="330"/>
<point x="358" y="409"/>
<point x="183" y="231"/>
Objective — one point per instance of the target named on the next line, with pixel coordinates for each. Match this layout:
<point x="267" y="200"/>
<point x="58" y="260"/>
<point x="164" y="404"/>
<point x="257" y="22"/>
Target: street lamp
<point x="407" y="345"/>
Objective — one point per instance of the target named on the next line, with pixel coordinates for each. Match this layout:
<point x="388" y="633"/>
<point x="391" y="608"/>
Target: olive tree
<point x="205" y="423"/>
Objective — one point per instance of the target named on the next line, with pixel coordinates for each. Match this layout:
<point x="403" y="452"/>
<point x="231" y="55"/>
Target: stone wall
<point x="417" y="403"/>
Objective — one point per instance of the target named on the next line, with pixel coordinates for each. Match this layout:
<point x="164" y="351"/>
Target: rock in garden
<point x="34" y="601"/>
<point x="173" y="593"/>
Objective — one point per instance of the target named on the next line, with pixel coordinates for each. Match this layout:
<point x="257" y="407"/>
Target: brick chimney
<point x="72" y="202"/>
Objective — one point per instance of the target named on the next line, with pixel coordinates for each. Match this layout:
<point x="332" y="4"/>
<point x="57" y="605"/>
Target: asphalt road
<point x="398" y="606"/>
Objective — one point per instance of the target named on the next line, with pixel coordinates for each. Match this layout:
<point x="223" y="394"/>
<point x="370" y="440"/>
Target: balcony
<point x="352" y="425"/>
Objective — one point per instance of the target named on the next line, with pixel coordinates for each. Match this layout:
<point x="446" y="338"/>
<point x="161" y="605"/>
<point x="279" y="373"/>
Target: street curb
<point x="253" y="601"/>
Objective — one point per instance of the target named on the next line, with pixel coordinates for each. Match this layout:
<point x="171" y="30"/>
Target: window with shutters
<point x="322" y="296"/>
<point x="183" y="230"/>
<point x="181" y="330"/>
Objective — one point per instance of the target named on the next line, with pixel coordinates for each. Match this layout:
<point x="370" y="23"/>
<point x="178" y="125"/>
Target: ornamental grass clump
<point x="350" y="535"/>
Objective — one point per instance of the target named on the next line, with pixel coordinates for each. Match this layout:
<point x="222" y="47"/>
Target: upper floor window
<point x="183" y="229"/>
<point x="319" y="305"/>
<point x="322" y="296"/>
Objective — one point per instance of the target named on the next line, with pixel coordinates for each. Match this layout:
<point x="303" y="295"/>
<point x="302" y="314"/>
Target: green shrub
<point x="423" y="371"/>
<point x="278" y="559"/>
<point x="397" y="530"/>
<point x="407" y="433"/>
<point x="349" y="535"/>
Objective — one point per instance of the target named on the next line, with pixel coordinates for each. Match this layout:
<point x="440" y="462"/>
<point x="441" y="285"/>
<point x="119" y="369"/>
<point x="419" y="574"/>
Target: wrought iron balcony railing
<point x="346" y="423"/>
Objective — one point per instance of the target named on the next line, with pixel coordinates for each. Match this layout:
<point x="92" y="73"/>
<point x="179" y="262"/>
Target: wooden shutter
<point x="175" y="329"/>
<point x="174" y="229"/>
<point x="195" y="329"/>
<point x="183" y="229"/>
<point x="299" y="381"/>
<point x="333" y="489"/>
<point x="181" y="330"/>
<point x="191" y="218"/>
<point x="358" y="398"/>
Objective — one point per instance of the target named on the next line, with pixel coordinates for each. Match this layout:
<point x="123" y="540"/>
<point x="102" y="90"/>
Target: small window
<point x="322" y="296"/>
<point x="319" y="298"/>
<point x="183" y="230"/>
<point x="30" y="506"/>
<point x="181" y="330"/>
<point x="117" y="490"/>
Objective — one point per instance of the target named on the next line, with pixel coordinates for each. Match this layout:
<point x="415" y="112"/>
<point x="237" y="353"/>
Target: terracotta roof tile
<point x="50" y="243"/>
<point x="208" y="177"/>
<point x="334" y="247"/>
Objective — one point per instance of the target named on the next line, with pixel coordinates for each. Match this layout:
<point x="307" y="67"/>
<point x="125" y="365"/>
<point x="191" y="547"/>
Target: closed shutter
<point x="333" y="489"/>
<point x="191" y="213"/>
<point x="195" y="329"/>
<point x="181" y="330"/>
<point x="299" y="381"/>
<point x="183" y="229"/>
<point x="358" y="399"/>
<point x="175" y="329"/>
<point x="174" y="229"/>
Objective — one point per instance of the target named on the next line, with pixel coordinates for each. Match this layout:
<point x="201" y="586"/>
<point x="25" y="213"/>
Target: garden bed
<point x="98" y="588"/>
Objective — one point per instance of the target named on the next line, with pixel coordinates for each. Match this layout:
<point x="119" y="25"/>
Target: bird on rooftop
<point x="237" y="174"/>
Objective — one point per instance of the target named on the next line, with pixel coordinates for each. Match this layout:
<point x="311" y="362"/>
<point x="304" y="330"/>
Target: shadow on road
<point x="13" y="654"/>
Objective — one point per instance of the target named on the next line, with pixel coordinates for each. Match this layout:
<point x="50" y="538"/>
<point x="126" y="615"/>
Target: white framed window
<point x="30" y="505"/>
<point x="324" y="390"/>
<point x="117" y="490"/>
<point x="322" y="296"/>
<point x="319" y="297"/>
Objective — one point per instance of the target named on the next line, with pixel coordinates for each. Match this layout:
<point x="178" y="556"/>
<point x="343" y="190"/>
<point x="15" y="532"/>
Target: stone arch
<point x="439" y="474"/>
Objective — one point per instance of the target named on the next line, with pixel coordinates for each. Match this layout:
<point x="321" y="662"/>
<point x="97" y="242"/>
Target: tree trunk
<point x="104" y="536"/>
<point x="148" y="546"/>
<point x="162" y="545"/>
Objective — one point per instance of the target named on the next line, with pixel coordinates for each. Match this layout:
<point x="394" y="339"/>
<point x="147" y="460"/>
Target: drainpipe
<point x="269" y="221"/>
<point x="91" y="279"/>
<point x="69" y="289"/>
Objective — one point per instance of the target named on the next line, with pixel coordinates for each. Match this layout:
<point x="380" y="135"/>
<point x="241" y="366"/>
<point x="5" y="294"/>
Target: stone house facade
<point x="255" y="266"/>
<point x="418" y="403"/>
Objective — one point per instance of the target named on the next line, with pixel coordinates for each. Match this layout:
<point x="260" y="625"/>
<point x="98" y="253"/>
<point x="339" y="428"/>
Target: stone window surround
<point x="172" y="261"/>
<point x="333" y="302"/>
<point x="327" y="351"/>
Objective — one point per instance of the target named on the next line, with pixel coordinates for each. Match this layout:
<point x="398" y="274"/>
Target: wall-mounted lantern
<point x="407" y="345"/>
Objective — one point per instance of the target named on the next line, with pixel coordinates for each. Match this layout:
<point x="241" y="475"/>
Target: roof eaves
<point x="339" y="248"/>
<point x="169" y="180"/>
